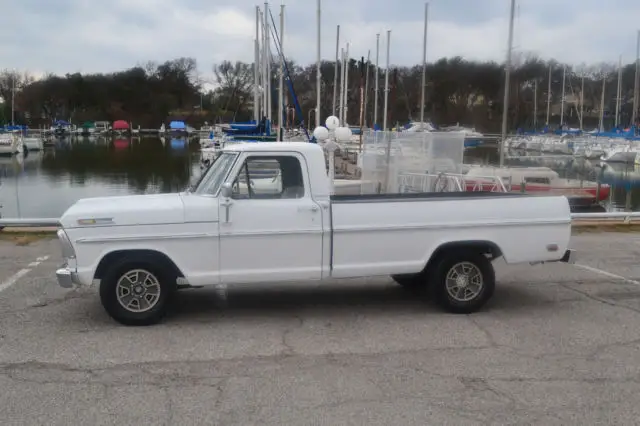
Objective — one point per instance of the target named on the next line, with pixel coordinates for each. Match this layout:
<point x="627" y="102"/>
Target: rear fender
<point x="485" y="247"/>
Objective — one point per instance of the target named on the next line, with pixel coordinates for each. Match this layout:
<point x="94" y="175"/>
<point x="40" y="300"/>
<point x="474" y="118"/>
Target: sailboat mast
<point x="362" y="71"/>
<point x="281" y="82"/>
<point x="268" y="62"/>
<point x="424" y="62"/>
<point x="256" y="68"/>
<point x="535" y="104"/>
<point x="582" y="100"/>
<point x="386" y="85"/>
<point x="549" y="94"/>
<point x="366" y="86"/>
<point x="377" y="82"/>
<point x="340" y="106"/>
<point x="564" y="81"/>
<point x="384" y="117"/>
<point x="618" y="91"/>
<point x="505" y="103"/>
<point x="335" y="74"/>
<point x="636" y="86"/>
<point x="265" y="80"/>
<point x="345" y="108"/>
<point x="604" y="82"/>
<point x="318" y="60"/>
<point x="13" y="97"/>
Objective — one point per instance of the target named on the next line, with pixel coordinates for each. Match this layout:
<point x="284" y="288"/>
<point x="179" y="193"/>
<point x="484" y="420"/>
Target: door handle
<point x="226" y="204"/>
<point x="312" y="208"/>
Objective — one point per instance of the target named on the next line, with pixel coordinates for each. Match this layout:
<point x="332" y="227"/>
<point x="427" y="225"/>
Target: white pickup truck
<point x="284" y="225"/>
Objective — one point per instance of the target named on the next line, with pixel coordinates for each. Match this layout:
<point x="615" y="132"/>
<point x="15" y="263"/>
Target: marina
<point x="45" y="182"/>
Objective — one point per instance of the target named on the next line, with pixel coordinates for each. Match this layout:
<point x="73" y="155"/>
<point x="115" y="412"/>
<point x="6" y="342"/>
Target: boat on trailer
<point x="533" y="180"/>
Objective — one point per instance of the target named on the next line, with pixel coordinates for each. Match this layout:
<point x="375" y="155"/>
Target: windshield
<point x="214" y="177"/>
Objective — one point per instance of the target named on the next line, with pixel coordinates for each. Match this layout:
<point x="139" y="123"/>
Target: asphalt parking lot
<point x="558" y="345"/>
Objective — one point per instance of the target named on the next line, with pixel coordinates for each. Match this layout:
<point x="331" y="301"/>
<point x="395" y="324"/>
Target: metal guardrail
<point x="625" y="216"/>
<point x="29" y="223"/>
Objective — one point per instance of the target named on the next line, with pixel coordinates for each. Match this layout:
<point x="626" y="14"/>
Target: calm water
<point x="44" y="184"/>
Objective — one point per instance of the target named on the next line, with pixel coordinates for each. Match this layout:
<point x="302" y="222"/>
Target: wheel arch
<point x="136" y="255"/>
<point x="485" y="247"/>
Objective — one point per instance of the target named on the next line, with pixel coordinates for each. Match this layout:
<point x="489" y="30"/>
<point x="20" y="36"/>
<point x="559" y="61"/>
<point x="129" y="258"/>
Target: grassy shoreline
<point x="22" y="238"/>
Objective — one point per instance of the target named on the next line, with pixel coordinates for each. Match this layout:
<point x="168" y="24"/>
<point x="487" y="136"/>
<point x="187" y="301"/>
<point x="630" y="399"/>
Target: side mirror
<point x="226" y="190"/>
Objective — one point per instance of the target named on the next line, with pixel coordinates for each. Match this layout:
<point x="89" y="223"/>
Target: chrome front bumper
<point x="66" y="277"/>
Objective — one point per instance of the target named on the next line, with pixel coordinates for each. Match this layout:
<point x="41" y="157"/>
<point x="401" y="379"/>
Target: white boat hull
<point x="10" y="144"/>
<point x="628" y="157"/>
<point x="33" y="144"/>
<point x="6" y="150"/>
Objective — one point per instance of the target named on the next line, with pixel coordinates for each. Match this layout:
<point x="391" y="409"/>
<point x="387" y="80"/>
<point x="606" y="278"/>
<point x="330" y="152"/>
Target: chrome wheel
<point x="138" y="290"/>
<point x="464" y="282"/>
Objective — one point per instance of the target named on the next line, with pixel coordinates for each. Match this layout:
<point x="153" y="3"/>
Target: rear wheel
<point x="463" y="282"/>
<point x="136" y="292"/>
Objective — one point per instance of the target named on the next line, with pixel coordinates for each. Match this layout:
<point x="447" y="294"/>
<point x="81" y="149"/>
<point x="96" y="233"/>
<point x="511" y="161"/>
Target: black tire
<point x="410" y="281"/>
<point x="479" y="265"/>
<point x="109" y="290"/>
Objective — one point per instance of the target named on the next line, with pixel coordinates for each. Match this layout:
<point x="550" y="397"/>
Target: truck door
<point x="270" y="228"/>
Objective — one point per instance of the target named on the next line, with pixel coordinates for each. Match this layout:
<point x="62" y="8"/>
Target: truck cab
<point x="272" y="207"/>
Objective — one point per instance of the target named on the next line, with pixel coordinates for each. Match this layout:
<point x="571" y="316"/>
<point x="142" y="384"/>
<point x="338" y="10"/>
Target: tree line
<point x="457" y="91"/>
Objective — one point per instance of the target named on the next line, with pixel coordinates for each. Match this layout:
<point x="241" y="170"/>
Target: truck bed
<point x="384" y="234"/>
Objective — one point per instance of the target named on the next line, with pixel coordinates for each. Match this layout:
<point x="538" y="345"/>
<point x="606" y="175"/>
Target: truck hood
<point x="149" y="209"/>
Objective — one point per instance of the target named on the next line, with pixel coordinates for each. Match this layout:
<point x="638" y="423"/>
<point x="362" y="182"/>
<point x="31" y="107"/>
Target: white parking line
<point x="607" y="274"/>
<point x="21" y="273"/>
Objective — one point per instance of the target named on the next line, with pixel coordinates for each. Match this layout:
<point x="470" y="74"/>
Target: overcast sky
<point x="63" y="36"/>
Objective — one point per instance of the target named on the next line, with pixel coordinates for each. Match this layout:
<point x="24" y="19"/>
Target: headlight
<point x="65" y="244"/>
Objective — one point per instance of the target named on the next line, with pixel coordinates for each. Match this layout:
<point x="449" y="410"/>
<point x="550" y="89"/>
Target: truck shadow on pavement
<point x="333" y="299"/>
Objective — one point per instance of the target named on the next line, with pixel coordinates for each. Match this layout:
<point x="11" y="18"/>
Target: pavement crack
<point x="220" y="387"/>
<point x="122" y="375"/>
<point x="601" y="348"/>
<point x="169" y="407"/>
<point x="485" y="331"/>
<point x="288" y="348"/>
<point x="599" y="299"/>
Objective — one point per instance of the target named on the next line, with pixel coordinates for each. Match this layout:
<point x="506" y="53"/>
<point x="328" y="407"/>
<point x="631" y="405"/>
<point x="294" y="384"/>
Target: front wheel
<point x="463" y="282"/>
<point x="136" y="293"/>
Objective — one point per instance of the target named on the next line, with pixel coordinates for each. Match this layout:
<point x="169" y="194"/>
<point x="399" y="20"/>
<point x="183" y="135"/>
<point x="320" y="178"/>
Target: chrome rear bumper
<point x="66" y="277"/>
<point x="568" y="257"/>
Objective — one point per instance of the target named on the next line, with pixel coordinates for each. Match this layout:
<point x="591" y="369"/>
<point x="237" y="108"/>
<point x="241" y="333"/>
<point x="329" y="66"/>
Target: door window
<point x="269" y="177"/>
